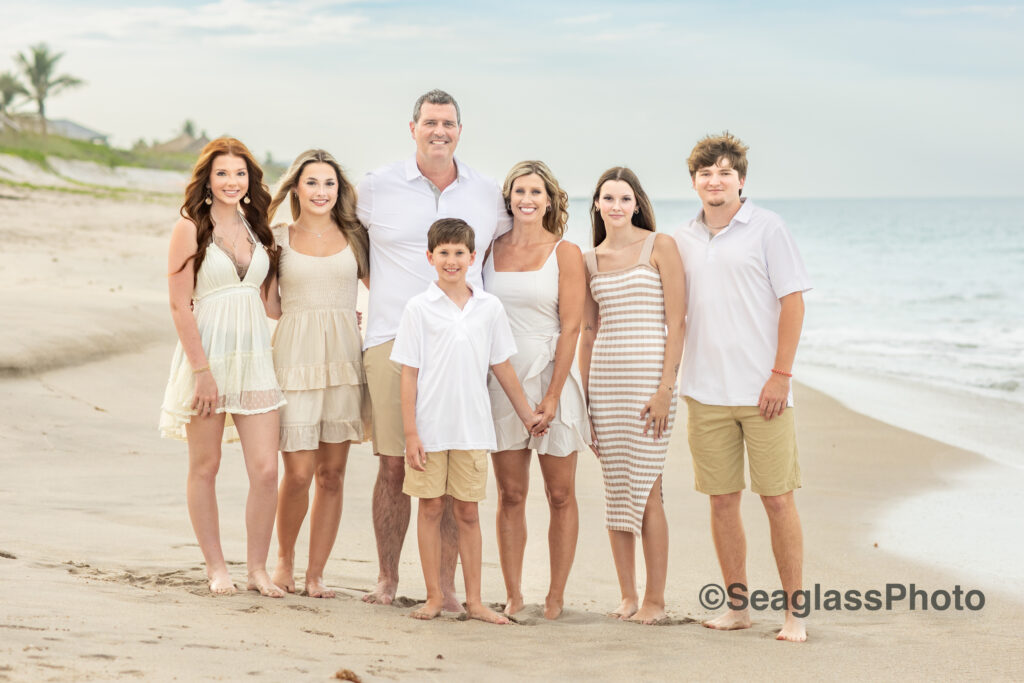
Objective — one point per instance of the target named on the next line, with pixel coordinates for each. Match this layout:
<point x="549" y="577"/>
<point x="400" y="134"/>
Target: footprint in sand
<point x="304" y="608"/>
<point x="317" y="633"/>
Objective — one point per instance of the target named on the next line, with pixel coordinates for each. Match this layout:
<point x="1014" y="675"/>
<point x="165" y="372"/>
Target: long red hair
<point x="196" y="210"/>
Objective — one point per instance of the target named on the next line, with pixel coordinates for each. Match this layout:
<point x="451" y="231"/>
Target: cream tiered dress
<point x="233" y="329"/>
<point x="531" y="303"/>
<point x="317" y="349"/>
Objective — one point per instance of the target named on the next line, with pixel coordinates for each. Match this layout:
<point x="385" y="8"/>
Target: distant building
<point x="182" y="143"/>
<point x="31" y="123"/>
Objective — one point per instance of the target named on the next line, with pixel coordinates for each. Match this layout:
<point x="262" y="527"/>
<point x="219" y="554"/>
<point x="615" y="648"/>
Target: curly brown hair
<point x="196" y="210"/>
<point x="710" y="149"/>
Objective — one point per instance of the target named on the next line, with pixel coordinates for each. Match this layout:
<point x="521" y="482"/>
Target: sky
<point x="835" y="99"/>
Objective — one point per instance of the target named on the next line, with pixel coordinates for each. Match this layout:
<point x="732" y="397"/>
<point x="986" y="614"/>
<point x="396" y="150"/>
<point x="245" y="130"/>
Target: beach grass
<point x="36" y="148"/>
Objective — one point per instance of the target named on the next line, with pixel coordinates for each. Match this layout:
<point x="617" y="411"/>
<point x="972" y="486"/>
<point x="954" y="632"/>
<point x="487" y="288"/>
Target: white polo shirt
<point x="453" y="349"/>
<point x="734" y="281"/>
<point x="397" y="204"/>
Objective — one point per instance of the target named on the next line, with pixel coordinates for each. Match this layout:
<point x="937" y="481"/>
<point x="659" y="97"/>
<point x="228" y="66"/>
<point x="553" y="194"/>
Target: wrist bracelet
<point x="202" y="369"/>
<point x="780" y="372"/>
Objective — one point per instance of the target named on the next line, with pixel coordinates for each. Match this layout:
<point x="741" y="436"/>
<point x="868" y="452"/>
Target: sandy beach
<point x="102" y="578"/>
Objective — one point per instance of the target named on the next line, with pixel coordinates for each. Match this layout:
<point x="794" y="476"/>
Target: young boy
<point x="447" y="338"/>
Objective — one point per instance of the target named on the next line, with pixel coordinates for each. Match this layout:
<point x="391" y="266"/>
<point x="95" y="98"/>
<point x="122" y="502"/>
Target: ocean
<point x="917" y="313"/>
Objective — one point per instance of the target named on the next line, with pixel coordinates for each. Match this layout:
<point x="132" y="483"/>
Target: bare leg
<point x="731" y="547"/>
<point x="259" y="435"/>
<point x="468" y="518"/>
<point x="391" y="510"/>
<point x="428" y="533"/>
<point x="292" y="504"/>
<point x="624" y="554"/>
<point x="449" y="557"/>
<point x="512" y="473"/>
<point x="563" y="528"/>
<point x="654" y="532"/>
<point x="788" y="547"/>
<point x="323" y="524"/>
<point x="204" y="437"/>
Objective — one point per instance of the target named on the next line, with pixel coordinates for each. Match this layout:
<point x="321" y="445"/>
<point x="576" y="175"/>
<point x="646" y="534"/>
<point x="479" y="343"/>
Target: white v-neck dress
<point x="236" y="339"/>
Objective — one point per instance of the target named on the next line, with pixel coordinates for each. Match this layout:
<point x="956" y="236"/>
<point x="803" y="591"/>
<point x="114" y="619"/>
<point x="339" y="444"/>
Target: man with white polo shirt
<point x="397" y="204"/>
<point x="745" y="282"/>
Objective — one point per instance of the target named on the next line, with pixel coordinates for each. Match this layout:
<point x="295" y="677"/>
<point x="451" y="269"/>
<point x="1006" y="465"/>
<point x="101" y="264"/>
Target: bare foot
<point x="315" y="588"/>
<point x="648" y="614"/>
<point x="484" y="613"/>
<point x="451" y="603"/>
<point x="260" y="581"/>
<point x="625" y="610"/>
<point x="730" y="620"/>
<point x="552" y="607"/>
<point x="793" y="630"/>
<point x="221" y="584"/>
<point x="284" y="575"/>
<point x="430" y="610"/>
<point x="513" y="605"/>
<point x="383" y="594"/>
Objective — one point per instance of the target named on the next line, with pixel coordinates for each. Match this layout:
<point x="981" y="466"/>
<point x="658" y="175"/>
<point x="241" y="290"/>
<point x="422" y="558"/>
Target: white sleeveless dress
<point x="531" y="303"/>
<point x="236" y="339"/>
<point x="318" y="351"/>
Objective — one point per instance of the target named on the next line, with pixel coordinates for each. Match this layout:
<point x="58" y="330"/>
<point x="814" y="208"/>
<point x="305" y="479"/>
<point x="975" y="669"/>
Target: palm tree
<point x="39" y="67"/>
<point x="10" y="88"/>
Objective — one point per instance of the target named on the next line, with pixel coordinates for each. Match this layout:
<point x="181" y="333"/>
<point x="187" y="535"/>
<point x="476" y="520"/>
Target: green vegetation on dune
<point x="36" y="148"/>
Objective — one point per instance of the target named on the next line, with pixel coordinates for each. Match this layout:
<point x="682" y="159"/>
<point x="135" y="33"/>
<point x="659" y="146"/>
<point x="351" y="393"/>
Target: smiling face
<point x="229" y="179"/>
<point x="317" y="189"/>
<point x="436" y="133"/>
<point x="718" y="185"/>
<point x="451" y="261"/>
<point x="616" y="202"/>
<point x="528" y="199"/>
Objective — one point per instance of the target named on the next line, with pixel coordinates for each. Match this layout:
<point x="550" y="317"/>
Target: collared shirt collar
<point x="742" y="216"/>
<point x="434" y="292"/>
<point x="412" y="169"/>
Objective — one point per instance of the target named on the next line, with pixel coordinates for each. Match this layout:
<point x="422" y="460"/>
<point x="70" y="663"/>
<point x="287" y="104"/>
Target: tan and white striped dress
<point x="625" y="370"/>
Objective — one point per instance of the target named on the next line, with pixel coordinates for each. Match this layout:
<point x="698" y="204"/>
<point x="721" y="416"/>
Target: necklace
<point x="310" y="231"/>
<point x="238" y="232"/>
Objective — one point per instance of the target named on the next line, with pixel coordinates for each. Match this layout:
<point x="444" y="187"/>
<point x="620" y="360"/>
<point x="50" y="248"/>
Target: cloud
<point x="584" y="19"/>
<point x="244" y="23"/>
<point x="989" y="11"/>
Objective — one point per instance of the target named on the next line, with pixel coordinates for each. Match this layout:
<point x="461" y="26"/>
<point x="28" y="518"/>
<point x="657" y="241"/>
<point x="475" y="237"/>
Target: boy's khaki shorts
<point x="384" y="383"/>
<point x="717" y="434"/>
<point x="460" y="474"/>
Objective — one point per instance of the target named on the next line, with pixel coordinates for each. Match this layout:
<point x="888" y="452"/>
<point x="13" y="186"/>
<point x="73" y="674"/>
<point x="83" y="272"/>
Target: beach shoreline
<point x="104" y="579"/>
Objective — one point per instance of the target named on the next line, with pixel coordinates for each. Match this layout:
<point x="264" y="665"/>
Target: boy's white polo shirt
<point x="397" y="205"/>
<point x="734" y="281"/>
<point x="453" y="349"/>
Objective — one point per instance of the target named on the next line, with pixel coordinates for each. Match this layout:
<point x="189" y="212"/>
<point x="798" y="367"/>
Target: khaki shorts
<point x="384" y="383"/>
<point x="460" y="474"/>
<point x="717" y="435"/>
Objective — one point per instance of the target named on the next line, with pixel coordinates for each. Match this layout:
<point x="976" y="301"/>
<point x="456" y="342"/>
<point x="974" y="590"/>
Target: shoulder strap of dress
<point x="645" y="253"/>
<point x="591" y="258"/>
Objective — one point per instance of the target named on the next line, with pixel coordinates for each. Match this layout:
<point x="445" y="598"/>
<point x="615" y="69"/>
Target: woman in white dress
<point x="317" y="356"/>
<point x="222" y="384"/>
<point x="539" y="277"/>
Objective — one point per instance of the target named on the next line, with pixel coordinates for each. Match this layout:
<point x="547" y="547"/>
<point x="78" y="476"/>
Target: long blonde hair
<point x="344" y="212"/>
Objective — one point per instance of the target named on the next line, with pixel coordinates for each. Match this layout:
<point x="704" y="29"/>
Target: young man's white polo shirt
<point x="734" y="281"/>
<point x="453" y="349"/>
<point x="397" y="204"/>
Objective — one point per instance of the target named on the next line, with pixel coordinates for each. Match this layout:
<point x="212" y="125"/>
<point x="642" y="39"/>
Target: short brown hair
<point x="712" y="148"/>
<point x="451" y="231"/>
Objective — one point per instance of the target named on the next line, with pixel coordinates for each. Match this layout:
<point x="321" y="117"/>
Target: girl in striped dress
<point x="633" y="325"/>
